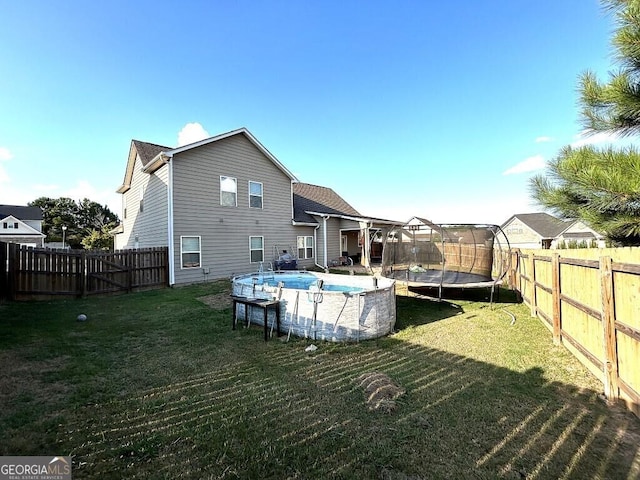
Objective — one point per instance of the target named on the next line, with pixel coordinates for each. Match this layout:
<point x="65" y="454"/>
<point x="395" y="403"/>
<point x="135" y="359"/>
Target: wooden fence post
<point x="516" y="269"/>
<point x="557" y="311"/>
<point x="131" y="257"/>
<point x="532" y="281"/>
<point x="12" y="271"/>
<point x="83" y="273"/>
<point x="610" y="364"/>
<point x="4" y="272"/>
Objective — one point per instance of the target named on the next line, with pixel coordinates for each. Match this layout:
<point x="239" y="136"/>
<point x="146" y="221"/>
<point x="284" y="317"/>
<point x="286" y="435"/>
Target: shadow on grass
<point x="286" y="414"/>
<point x="412" y="311"/>
<point x="156" y="385"/>
<point x="501" y="295"/>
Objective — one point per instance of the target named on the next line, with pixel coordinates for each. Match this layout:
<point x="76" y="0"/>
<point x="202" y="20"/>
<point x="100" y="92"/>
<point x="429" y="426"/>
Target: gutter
<point x="170" y="241"/>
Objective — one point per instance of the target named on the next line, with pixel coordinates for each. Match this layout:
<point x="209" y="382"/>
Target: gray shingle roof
<point x="547" y="226"/>
<point x="313" y="198"/>
<point x="21" y="212"/>
<point x="148" y="151"/>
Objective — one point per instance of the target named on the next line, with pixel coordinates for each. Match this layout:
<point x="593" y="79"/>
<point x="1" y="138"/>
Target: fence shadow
<point x="306" y="417"/>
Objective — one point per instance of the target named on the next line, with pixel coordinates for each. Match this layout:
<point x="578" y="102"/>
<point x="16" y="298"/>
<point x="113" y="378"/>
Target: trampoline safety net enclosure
<point x="424" y="254"/>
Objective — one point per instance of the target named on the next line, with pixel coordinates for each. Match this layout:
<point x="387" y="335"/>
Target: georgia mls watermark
<point x="35" y="468"/>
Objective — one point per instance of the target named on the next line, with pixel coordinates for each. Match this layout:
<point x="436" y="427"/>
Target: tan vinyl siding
<point x="225" y="231"/>
<point x="150" y="225"/>
<point x="333" y="239"/>
<point x="306" y="232"/>
<point x="521" y="235"/>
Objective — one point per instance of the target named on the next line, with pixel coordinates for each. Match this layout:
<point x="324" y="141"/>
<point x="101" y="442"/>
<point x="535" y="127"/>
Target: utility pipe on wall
<point x="170" y="240"/>
<point x="324" y="237"/>
<point x="315" y="246"/>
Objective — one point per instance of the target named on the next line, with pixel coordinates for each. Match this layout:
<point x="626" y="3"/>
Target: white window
<point x="305" y="247"/>
<point x="141" y="200"/>
<point x="255" y="194"/>
<point x="256" y="249"/>
<point x="228" y="191"/>
<point x="190" y="252"/>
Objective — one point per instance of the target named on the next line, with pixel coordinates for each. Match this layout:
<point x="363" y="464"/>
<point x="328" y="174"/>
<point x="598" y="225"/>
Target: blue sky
<point x="437" y="109"/>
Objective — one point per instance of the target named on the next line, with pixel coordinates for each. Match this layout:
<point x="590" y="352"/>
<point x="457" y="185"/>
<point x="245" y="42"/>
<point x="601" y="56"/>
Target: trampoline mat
<point x="435" y="277"/>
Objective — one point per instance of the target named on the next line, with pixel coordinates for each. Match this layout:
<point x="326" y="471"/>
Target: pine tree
<point x="602" y="185"/>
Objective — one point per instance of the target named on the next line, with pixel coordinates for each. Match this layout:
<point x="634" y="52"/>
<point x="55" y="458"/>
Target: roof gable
<point x="239" y="131"/>
<point x="21" y="212"/>
<point x="153" y="156"/>
<point x="545" y="225"/>
<point x="314" y="198"/>
<point x="146" y="152"/>
<point x="23" y="228"/>
<point x="420" y="221"/>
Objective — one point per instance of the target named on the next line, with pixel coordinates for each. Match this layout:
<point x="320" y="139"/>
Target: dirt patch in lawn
<point x="217" y="301"/>
<point x="381" y="392"/>
<point x="27" y="379"/>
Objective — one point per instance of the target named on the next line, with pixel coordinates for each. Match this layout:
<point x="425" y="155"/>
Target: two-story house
<point x="225" y="206"/>
<point x="21" y="224"/>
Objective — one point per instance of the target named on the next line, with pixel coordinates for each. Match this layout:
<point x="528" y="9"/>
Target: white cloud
<point x="528" y="165"/>
<point x="583" y="139"/>
<point x="190" y="133"/>
<point x="543" y="139"/>
<point x="5" y="154"/>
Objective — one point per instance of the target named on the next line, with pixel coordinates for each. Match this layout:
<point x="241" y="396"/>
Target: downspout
<point x="315" y="243"/>
<point x="324" y="239"/>
<point x="170" y="240"/>
<point x="324" y="246"/>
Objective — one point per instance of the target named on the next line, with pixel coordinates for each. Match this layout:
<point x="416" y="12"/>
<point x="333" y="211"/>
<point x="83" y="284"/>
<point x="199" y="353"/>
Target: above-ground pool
<point x="323" y="306"/>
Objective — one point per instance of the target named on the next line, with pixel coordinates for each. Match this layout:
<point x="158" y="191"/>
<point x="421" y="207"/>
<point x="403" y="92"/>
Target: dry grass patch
<point x="380" y="390"/>
<point x="217" y="301"/>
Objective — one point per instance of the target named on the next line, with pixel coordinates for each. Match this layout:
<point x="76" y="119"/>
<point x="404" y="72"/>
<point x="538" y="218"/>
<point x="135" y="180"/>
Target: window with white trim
<point x="255" y="194"/>
<point x="190" y="252"/>
<point x="256" y="249"/>
<point x="228" y="191"/>
<point x="305" y="247"/>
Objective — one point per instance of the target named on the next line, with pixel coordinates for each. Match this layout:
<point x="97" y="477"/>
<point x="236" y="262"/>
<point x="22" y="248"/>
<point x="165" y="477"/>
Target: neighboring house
<point x="541" y="230"/>
<point x="20" y="224"/>
<point x="225" y="206"/>
<point x="580" y="233"/>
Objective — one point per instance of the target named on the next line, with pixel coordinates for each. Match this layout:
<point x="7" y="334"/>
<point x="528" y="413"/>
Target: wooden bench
<point x="264" y="304"/>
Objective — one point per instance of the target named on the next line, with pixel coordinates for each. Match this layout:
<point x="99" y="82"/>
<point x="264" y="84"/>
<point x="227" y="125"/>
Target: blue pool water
<point x="348" y="308"/>
<point x="298" y="281"/>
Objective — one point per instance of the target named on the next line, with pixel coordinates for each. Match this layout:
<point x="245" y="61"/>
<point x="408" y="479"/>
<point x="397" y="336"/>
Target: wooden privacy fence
<point x="592" y="307"/>
<point x="38" y="273"/>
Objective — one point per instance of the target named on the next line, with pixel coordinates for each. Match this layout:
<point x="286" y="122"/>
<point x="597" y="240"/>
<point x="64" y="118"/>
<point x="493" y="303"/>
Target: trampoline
<point x="422" y="254"/>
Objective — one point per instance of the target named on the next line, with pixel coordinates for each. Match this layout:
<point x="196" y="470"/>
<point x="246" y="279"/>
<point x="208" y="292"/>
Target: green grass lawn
<point x="157" y="385"/>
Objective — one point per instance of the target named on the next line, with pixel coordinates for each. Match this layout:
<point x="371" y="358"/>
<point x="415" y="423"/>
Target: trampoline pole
<point x="444" y="261"/>
<point x="295" y="314"/>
